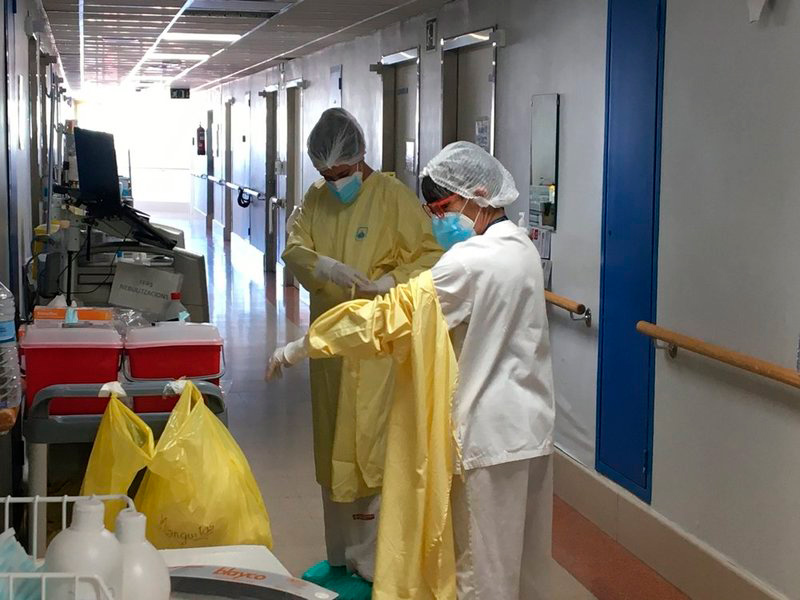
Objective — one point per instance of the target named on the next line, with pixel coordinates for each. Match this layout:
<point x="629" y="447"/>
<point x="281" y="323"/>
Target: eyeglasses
<point x="437" y="208"/>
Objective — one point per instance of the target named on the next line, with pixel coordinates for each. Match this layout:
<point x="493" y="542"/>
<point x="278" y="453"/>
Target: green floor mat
<point x="349" y="586"/>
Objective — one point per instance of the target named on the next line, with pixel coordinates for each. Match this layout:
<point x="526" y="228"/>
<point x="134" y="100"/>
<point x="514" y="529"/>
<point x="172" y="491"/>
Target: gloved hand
<point x="379" y="287"/>
<point x="339" y="273"/>
<point x="288" y="356"/>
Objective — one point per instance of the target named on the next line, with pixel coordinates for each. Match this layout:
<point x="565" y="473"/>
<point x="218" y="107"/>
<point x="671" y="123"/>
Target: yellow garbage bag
<point x="123" y="447"/>
<point x="199" y="489"/>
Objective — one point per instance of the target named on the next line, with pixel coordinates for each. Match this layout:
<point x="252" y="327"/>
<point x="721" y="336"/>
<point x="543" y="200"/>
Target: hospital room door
<point x="400" y="75"/>
<point x="469" y="68"/>
<point x="228" y="168"/>
<point x="240" y="175"/>
<point x="273" y="166"/>
<point x="258" y="169"/>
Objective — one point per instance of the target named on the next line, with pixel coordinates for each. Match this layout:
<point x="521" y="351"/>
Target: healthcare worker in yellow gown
<point x="490" y="287"/>
<point x="358" y="233"/>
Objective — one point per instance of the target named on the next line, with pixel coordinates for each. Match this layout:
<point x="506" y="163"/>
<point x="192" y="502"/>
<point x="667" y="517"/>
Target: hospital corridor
<point x="399" y="300"/>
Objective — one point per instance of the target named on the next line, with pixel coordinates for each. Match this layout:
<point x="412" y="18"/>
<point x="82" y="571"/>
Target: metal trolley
<point x="40" y="585"/>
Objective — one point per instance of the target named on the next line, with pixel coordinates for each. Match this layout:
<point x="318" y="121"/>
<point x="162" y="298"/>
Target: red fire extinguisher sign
<point x="201" y="141"/>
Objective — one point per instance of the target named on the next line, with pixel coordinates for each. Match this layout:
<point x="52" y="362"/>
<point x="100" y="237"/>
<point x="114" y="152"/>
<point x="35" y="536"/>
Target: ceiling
<point x="104" y="42"/>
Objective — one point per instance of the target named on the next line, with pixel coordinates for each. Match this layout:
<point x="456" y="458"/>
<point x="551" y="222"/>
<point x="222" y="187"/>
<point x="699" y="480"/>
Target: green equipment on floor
<point x="349" y="586"/>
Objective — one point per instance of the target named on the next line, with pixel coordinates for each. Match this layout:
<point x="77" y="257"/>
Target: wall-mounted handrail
<point x="676" y="340"/>
<point x="248" y="191"/>
<point x="576" y="310"/>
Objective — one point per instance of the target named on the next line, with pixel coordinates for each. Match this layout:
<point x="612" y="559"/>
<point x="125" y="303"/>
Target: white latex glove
<point x="339" y="273"/>
<point x="379" y="287"/>
<point x="288" y="356"/>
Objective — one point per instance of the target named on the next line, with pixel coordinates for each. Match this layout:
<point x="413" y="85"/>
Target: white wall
<point x="726" y="443"/>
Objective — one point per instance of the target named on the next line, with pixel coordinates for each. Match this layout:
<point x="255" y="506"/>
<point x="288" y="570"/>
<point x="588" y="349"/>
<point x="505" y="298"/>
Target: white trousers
<point x="351" y="533"/>
<point x="503" y="521"/>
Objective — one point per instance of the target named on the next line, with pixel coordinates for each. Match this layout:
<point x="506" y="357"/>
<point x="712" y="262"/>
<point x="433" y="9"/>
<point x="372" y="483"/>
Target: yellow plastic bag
<point x="123" y="447"/>
<point x="199" y="489"/>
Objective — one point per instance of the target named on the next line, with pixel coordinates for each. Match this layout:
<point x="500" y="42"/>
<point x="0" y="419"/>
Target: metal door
<point x="475" y="94"/>
<point x="630" y="241"/>
<point x="258" y="170"/>
<point x="228" y="168"/>
<point x="405" y="123"/>
<point x="270" y="113"/>
<point x="240" y="163"/>
<point x="210" y="145"/>
<point x="294" y="168"/>
<point x="400" y="151"/>
<point x="288" y="167"/>
<point x="469" y="68"/>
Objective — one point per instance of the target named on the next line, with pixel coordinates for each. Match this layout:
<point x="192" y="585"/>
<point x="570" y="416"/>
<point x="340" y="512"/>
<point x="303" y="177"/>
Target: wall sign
<point x="430" y="35"/>
<point x="483" y="132"/>
<point x="179" y="93"/>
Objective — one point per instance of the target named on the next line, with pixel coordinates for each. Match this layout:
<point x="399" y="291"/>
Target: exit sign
<point x="179" y="93"/>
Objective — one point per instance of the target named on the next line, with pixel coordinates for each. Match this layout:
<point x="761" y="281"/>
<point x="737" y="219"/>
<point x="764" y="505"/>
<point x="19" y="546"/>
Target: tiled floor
<point x="272" y="423"/>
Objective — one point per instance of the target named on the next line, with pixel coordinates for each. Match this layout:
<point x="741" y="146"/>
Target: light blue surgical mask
<point x="346" y="189"/>
<point x="452" y="228"/>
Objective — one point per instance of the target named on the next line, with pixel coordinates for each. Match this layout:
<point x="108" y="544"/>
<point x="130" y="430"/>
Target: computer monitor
<point x="97" y="172"/>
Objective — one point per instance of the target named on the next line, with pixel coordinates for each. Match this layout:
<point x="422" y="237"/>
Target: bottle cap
<point x="88" y="515"/>
<point x="175" y="295"/>
<point x="131" y="526"/>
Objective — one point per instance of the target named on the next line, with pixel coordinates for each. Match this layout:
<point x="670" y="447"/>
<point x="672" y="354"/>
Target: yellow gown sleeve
<point x="363" y="329"/>
<point x="416" y="248"/>
<point x="300" y="255"/>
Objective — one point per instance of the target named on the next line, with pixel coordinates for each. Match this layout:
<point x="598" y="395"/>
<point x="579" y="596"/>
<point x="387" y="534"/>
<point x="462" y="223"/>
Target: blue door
<point x="630" y="241"/>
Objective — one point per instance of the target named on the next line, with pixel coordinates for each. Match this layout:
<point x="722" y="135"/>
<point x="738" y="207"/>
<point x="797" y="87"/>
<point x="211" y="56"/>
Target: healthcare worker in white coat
<point x="491" y="289"/>
<point x="358" y="233"/>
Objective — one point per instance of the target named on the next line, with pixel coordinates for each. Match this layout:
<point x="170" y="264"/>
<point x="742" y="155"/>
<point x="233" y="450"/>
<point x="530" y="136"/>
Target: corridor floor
<point x="272" y="423"/>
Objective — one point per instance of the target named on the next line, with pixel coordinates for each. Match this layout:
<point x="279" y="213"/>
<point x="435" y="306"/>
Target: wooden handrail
<point x="730" y="357"/>
<point x="572" y="307"/>
<point x="565" y="303"/>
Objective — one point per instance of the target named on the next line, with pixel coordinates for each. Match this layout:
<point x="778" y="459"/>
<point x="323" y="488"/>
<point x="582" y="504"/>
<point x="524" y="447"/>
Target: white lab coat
<point x="491" y="290"/>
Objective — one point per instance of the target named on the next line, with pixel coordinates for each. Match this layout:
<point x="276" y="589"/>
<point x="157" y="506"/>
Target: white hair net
<point x="471" y="172"/>
<point x="337" y="139"/>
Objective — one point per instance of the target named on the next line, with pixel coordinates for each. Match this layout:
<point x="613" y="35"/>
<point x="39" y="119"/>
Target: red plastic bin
<point x="171" y="351"/>
<point x="64" y="355"/>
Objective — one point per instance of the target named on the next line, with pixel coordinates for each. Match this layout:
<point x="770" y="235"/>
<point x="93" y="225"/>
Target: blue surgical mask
<point x="452" y="228"/>
<point x="346" y="189"/>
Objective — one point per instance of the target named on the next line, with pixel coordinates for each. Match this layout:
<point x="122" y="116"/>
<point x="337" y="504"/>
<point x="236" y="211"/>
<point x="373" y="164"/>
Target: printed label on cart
<point x="8" y="332"/>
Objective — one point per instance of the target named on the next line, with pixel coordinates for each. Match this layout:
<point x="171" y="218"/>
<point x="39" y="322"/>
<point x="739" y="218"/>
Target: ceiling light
<point x="201" y="37"/>
<point x="176" y="56"/>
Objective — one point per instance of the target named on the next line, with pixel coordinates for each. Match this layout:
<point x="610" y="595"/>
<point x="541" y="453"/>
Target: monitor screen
<point x="97" y="172"/>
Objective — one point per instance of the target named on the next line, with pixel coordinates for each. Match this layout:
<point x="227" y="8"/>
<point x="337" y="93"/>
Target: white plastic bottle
<point x="86" y="547"/>
<point x="144" y="572"/>
<point x="176" y="311"/>
<point x="9" y="358"/>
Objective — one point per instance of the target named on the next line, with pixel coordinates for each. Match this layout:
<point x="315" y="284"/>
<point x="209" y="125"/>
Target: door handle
<point x="273" y="204"/>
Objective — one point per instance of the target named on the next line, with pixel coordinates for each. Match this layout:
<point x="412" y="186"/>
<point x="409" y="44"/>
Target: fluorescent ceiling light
<point x="176" y="56"/>
<point x="201" y="37"/>
<point x="145" y="77"/>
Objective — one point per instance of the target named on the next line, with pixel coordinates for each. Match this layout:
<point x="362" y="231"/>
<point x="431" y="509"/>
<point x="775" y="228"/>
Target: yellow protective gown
<point x="385" y="231"/>
<point x="415" y="553"/>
